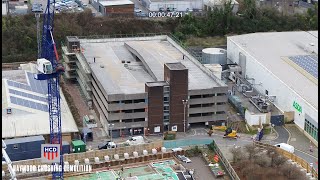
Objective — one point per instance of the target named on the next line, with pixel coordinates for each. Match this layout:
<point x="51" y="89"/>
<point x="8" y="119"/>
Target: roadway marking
<point x="307" y="154"/>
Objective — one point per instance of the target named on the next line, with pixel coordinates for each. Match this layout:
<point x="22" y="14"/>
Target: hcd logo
<point x="50" y="153"/>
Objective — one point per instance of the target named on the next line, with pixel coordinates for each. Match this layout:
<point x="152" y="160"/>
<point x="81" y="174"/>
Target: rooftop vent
<point x="311" y="44"/>
<point x="128" y="61"/>
<point x="102" y="66"/>
<point x="123" y="62"/>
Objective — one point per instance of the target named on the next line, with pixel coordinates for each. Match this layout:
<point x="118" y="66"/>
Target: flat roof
<point x="28" y="102"/>
<point x="176" y="66"/>
<point x="116" y="3"/>
<point x="272" y="50"/>
<point x="130" y="78"/>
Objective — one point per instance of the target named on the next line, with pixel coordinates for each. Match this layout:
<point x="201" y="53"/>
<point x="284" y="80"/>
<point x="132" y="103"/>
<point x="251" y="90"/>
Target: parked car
<point x="285" y="147"/>
<point x="135" y="140"/>
<point x="184" y="159"/>
<point x="107" y="145"/>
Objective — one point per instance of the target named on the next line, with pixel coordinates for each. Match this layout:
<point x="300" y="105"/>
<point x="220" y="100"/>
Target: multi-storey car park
<point x="283" y="65"/>
<point x="139" y="84"/>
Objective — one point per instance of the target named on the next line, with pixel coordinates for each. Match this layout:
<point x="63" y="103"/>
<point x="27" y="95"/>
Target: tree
<point x="237" y="154"/>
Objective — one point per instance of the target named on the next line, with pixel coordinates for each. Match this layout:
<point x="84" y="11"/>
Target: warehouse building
<point x="139" y="84"/>
<point x="25" y="106"/>
<point x="283" y="65"/>
<point x="114" y="7"/>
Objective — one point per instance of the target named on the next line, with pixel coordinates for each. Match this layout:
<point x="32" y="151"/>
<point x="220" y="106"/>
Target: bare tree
<point x="292" y="172"/>
<point x="278" y="161"/>
<point x="262" y="161"/>
<point x="237" y="154"/>
<point x="251" y="150"/>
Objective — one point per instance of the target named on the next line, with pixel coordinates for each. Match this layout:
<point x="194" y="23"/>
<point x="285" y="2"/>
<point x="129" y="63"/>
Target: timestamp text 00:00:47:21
<point x="165" y="14"/>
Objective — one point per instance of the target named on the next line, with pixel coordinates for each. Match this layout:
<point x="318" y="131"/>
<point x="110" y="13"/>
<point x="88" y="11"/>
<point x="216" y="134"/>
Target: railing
<point x="227" y="164"/>
<point x="303" y="163"/>
<point x="186" y="143"/>
<point x="123" y="35"/>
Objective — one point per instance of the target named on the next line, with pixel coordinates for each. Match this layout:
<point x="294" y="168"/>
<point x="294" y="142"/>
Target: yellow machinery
<point x="230" y="133"/>
<point x="221" y="128"/>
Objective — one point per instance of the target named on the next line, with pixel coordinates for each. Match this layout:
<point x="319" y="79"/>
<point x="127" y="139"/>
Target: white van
<point x="135" y="140"/>
<point x="285" y="147"/>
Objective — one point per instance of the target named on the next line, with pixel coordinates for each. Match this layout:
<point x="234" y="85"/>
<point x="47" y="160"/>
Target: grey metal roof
<point x="24" y="140"/>
<point x="271" y="50"/>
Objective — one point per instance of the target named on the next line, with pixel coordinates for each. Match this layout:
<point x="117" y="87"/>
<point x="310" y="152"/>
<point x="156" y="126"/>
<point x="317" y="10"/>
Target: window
<point x="207" y="105"/>
<point x="195" y="96"/>
<point x="165" y="99"/>
<point x="221" y="94"/>
<point x="221" y="103"/>
<point x="165" y="107"/>
<point x="220" y="112"/>
<point x="311" y="129"/>
<point x="207" y="95"/>
<point x="138" y="110"/>
<point x="138" y="101"/>
<point x="139" y="120"/>
<point x="195" y="115"/>
<point x="195" y="105"/>
<point x="166" y="117"/>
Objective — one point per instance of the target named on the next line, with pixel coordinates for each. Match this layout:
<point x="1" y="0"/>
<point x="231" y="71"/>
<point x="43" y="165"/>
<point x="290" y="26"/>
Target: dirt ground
<point x="201" y="169"/>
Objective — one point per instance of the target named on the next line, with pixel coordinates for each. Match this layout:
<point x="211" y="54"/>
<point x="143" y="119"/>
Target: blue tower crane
<point x="50" y="70"/>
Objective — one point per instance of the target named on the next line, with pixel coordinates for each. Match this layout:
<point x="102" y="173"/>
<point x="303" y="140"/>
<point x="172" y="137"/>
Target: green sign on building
<point x="297" y="106"/>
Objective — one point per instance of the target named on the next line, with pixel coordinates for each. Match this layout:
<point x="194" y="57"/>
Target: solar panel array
<point x="27" y="95"/>
<point x="29" y="104"/>
<point x="307" y="62"/>
<point x="35" y="86"/>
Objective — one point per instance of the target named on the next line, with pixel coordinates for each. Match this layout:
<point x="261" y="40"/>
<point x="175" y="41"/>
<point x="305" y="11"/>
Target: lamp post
<point x="111" y="126"/>
<point x="185" y="102"/>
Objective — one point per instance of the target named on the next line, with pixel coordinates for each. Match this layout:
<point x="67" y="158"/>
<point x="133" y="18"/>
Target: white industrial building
<point x="210" y="5"/>
<point x="179" y="5"/>
<point x="25" y="106"/>
<point x="283" y="65"/>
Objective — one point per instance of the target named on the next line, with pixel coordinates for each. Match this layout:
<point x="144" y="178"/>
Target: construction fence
<point x="303" y="163"/>
<point x="91" y="155"/>
<point x="226" y="163"/>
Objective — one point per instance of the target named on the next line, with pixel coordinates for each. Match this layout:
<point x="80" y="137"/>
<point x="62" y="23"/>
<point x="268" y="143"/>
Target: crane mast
<point x="50" y="70"/>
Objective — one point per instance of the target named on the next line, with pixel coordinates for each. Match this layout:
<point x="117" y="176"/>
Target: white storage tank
<point x="145" y="152"/>
<point x="106" y="158"/>
<point x="135" y="154"/>
<point x="116" y="157"/>
<point x="76" y="162"/>
<point x="126" y="155"/>
<point x="154" y="151"/>
<point x="214" y="56"/>
<point x="96" y="159"/>
<point x="163" y="149"/>
<point x="66" y="163"/>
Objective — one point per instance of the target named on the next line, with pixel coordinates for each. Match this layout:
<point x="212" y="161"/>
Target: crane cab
<point x="44" y="66"/>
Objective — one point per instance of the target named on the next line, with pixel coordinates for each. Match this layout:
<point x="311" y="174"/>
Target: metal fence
<point x="186" y="143"/>
<point x="227" y="164"/>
